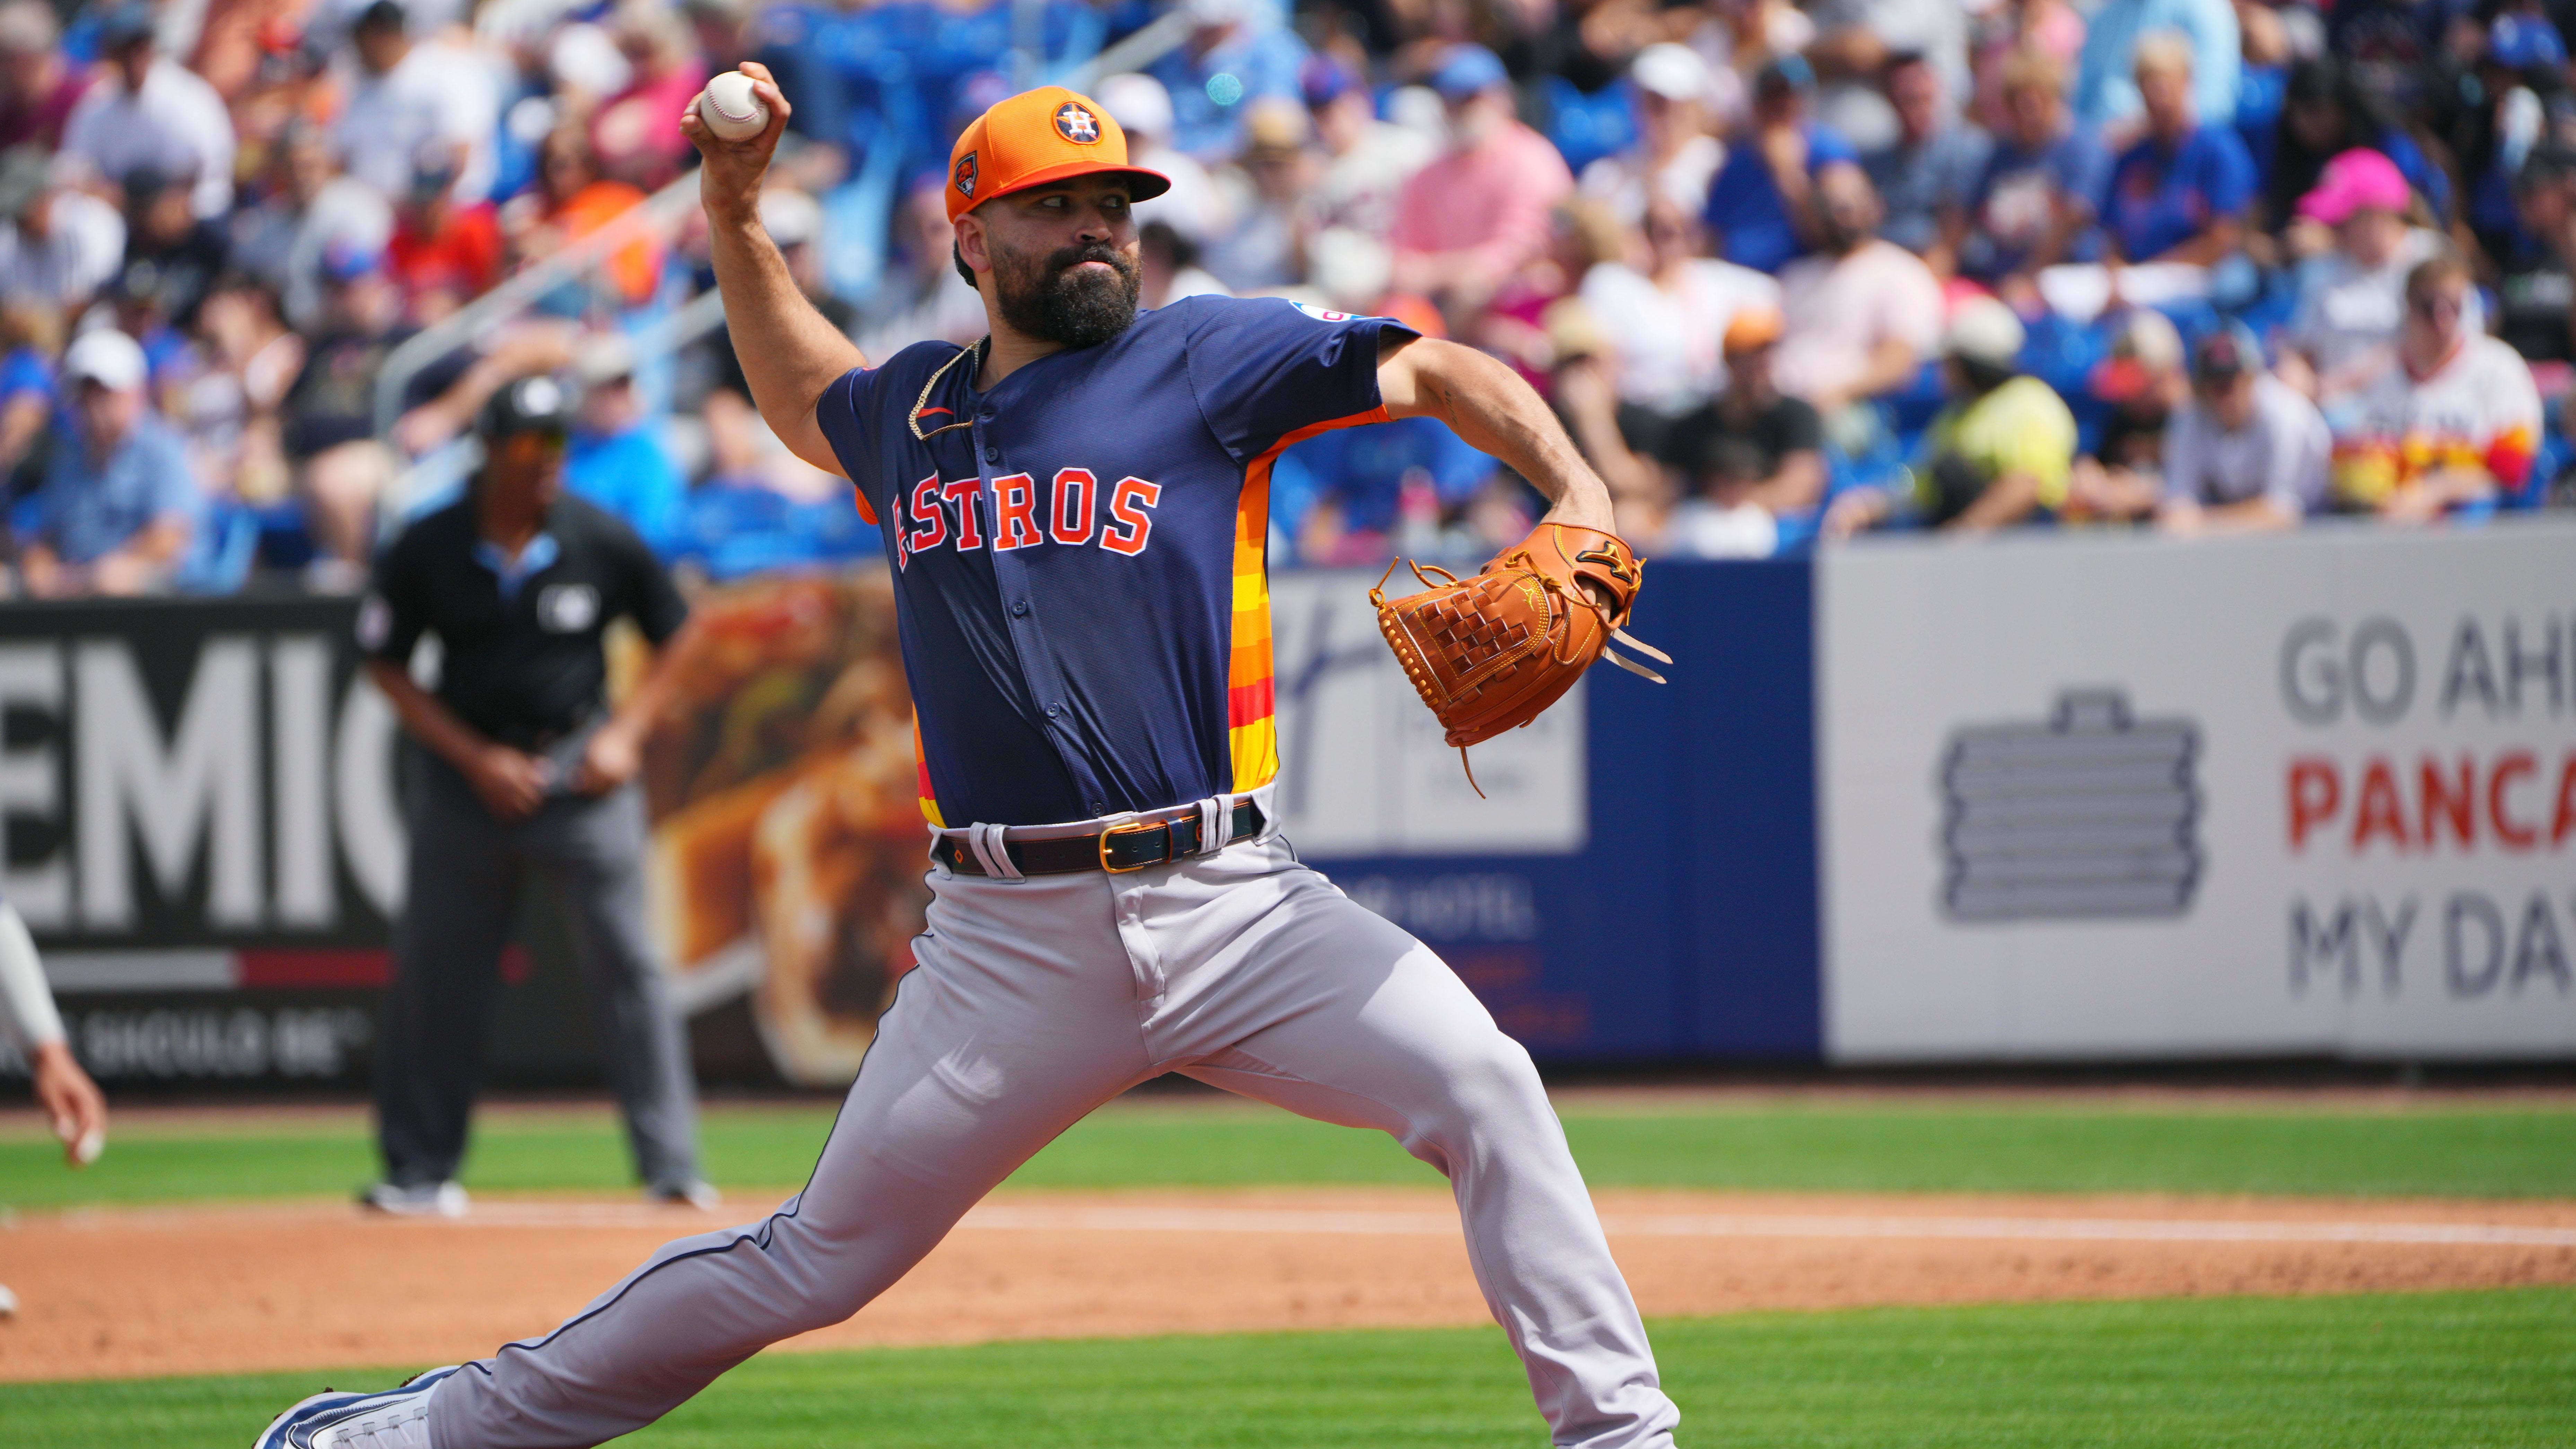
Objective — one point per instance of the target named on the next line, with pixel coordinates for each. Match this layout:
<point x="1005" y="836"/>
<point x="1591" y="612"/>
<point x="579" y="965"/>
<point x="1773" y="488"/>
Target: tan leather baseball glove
<point x="1490" y="653"/>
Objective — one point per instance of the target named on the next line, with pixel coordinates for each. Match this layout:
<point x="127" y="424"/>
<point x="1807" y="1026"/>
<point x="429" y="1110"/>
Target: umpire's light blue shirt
<point x="90" y="507"/>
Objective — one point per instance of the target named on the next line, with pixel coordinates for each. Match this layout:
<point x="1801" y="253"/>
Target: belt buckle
<point x="1132" y="827"/>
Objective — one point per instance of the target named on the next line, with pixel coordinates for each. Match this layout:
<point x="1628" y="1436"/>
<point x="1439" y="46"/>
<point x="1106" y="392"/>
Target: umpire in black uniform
<point x="518" y="770"/>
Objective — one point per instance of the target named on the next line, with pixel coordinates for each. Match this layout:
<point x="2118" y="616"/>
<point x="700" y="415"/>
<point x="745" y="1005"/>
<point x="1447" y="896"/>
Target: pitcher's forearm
<point x="789" y="351"/>
<point x="1488" y="406"/>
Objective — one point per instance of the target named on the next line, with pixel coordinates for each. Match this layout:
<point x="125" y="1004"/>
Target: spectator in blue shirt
<point x="762" y="508"/>
<point x="2035" y="204"/>
<point x="2106" y="96"/>
<point x="30" y="334"/>
<point x="1758" y="203"/>
<point x="1346" y="493"/>
<point x="2519" y="83"/>
<point x="119" y="503"/>
<point x="2179" y="194"/>
<point x="1925" y="178"/>
<point x="616" y="459"/>
<point x="1238" y="52"/>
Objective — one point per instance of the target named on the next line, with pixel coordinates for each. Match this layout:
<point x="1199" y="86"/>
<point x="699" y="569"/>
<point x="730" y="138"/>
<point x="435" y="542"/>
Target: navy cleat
<point x="394" y="1419"/>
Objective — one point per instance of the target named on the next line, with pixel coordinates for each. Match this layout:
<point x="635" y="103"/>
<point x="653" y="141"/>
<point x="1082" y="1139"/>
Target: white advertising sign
<point x="1362" y="769"/>
<point x="2107" y="796"/>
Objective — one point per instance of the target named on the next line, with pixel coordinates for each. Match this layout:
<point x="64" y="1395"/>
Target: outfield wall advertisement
<point x="200" y="818"/>
<point x="2135" y="797"/>
<point x="2050" y="797"/>
<point x="198" y="821"/>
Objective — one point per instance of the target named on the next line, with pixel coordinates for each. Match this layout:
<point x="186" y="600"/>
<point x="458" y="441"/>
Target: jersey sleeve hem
<point x="844" y="425"/>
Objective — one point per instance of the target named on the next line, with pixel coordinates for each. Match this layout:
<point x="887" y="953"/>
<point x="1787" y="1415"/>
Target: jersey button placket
<point x="1037" y="663"/>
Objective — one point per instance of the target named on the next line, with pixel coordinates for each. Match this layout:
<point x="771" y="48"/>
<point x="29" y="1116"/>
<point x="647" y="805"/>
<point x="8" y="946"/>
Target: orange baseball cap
<point x="1048" y="134"/>
<point x="1751" y="328"/>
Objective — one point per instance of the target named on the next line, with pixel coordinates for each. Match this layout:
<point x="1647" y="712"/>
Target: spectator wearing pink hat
<point x="2352" y="299"/>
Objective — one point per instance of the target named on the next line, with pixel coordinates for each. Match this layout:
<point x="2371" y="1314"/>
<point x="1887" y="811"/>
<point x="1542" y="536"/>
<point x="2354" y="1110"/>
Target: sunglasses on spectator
<point x="2436" y="307"/>
<point x="537" y="442"/>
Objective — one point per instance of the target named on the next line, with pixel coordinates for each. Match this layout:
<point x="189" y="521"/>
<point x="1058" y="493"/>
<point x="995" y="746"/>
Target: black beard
<point x="1049" y="300"/>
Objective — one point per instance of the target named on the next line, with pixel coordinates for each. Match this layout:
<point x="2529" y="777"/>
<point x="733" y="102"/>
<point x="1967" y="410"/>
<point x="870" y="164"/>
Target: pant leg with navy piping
<point x="1033" y="1003"/>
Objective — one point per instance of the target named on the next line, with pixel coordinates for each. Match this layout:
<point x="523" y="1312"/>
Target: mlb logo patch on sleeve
<point x="1322" y="314"/>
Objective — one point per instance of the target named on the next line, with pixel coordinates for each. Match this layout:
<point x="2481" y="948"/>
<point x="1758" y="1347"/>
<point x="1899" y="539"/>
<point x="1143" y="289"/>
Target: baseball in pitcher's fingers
<point x="695" y="129"/>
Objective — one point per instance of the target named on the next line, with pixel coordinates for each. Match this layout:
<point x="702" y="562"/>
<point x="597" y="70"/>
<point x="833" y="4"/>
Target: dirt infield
<point x="231" y="1289"/>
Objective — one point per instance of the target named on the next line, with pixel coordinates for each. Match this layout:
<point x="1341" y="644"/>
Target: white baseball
<point x="732" y="109"/>
<point x="92" y="1143"/>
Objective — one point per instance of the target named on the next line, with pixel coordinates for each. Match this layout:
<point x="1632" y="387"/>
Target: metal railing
<point x="1137" y="51"/>
<point x="662" y="209"/>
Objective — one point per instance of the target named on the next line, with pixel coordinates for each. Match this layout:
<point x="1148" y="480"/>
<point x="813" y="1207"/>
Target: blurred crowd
<point x="1788" y="271"/>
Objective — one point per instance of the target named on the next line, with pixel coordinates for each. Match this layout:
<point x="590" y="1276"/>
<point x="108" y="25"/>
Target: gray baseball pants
<point x="466" y="873"/>
<point x="1034" y="1002"/>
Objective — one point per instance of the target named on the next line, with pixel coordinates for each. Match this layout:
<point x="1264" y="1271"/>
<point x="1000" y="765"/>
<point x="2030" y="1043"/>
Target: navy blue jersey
<point x="1079" y="554"/>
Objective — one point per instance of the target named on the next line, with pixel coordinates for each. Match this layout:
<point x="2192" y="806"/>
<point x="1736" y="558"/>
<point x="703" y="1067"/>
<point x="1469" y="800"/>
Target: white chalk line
<point x="1754" y="1225"/>
<point x="1344" y="1222"/>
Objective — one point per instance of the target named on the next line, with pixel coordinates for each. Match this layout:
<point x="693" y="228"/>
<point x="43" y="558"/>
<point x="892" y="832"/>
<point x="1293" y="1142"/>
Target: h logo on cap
<point x="1075" y="123"/>
<point x="966" y="174"/>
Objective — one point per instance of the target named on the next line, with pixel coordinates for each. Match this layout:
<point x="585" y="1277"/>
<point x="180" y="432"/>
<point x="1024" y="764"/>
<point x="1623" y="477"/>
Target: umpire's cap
<point x="528" y="405"/>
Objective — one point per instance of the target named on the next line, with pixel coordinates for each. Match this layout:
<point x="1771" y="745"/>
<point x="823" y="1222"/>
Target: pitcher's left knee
<point x="1489" y="1096"/>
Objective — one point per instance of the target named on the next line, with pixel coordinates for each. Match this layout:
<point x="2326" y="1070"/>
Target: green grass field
<point x="2455" y="1370"/>
<point x="1825" y="1146"/>
<point x="2431" y="1371"/>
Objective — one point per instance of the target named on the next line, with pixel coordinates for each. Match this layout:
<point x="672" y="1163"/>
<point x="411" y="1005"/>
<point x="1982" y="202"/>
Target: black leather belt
<point x="1130" y="845"/>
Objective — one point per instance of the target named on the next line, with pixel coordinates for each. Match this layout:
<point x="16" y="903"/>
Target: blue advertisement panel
<point x="1640" y="884"/>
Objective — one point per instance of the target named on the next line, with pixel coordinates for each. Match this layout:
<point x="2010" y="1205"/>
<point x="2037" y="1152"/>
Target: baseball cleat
<point x="395" y="1419"/>
<point x="420" y="1200"/>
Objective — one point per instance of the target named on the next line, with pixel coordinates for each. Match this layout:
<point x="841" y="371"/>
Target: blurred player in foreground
<point x="1074" y="510"/>
<point x="29" y="1022"/>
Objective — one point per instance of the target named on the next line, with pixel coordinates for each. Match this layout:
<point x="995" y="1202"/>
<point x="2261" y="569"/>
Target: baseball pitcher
<point x="1074" y="510"/>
